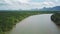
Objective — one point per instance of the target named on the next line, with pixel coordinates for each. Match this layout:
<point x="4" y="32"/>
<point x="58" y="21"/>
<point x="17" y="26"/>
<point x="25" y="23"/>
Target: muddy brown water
<point x="36" y="24"/>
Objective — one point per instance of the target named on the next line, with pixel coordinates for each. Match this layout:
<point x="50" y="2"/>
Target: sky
<point x="27" y="4"/>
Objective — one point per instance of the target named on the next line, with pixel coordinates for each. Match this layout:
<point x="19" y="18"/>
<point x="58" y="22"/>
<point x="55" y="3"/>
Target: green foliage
<point x="9" y="18"/>
<point x="56" y="18"/>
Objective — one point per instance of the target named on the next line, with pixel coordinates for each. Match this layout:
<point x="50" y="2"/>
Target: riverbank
<point x="9" y="19"/>
<point x="36" y="24"/>
<point x="56" y="18"/>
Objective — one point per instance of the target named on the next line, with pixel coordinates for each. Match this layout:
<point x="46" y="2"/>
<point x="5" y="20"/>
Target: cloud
<point x="42" y="4"/>
<point x="49" y="3"/>
<point x="24" y="1"/>
<point x="27" y="4"/>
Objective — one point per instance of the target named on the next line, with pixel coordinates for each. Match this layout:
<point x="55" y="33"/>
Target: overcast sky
<point x="27" y="4"/>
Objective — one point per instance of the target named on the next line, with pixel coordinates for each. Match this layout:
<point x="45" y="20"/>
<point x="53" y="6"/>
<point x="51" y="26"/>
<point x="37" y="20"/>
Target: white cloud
<point x="49" y="3"/>
<point x="42" y="4"/>
<point x="24" y="1"/>
<point x="26" y="4"/>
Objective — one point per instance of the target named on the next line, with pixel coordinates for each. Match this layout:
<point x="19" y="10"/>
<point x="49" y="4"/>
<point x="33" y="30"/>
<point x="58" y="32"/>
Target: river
<point x="36" y="24"/>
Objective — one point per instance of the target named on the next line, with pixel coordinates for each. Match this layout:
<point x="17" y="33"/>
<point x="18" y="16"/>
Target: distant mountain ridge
<point x="57" y="8"/>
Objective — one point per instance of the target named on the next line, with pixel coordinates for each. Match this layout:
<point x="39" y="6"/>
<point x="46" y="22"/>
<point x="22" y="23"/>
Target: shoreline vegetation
<point x="8" y="19"/>
<point x="56" y="18"/>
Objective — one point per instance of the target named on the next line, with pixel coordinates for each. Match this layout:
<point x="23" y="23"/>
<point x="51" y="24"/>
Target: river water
<point x="36" y="24"/>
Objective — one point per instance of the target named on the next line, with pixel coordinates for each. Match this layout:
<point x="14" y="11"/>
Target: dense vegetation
<point x="56" y="18"/>
<point x="9" y="18"/>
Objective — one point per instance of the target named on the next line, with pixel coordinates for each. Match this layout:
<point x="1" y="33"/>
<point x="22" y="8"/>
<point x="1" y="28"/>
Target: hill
<point x="56" y="8"/>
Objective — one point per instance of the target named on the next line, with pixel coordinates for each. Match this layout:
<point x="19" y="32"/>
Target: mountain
<point x="56" y="8"/>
